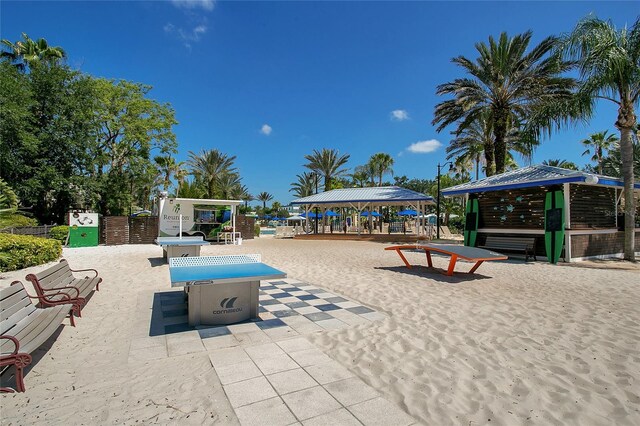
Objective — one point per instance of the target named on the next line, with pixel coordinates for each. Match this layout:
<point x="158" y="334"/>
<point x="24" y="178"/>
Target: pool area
<point x="267" y="231"/>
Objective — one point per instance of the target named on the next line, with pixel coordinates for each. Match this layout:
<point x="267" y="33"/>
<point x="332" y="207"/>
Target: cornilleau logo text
<point x="227" y="305"/>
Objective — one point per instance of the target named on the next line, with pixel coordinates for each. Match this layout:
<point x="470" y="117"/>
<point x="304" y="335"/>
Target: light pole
<point x="316" y="223"/>
<point x="438" y="200"/>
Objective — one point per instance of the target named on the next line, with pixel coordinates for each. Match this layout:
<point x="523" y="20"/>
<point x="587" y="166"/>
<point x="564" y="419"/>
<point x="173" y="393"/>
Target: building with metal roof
<point x="536" y="175"/>
<point x="587" y="210"/>
<point x="381" y="195"/>
<point x="366" y="199"/>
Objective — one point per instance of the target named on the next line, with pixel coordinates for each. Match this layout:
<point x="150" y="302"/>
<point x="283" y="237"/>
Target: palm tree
<point x="327" y="163"/>
<point x="245" y="196"/>
<point x="508" y="86"/>
<point x="264" y="197"/>
<point x="26" y="52"/>
<point x="229" y="186"/>
<point x="167" y="167"/>
<point x="467" y="148"/>
<point x="209" y="166"/>
<point x="360" y="176"/>
<point x="304" y="186"/>
<point x="608" y="60"/>
<point x="600" y="143"/>
<point x="612" y="164"/>
<point x="380" y="164"/>
<point x="180" y="174"/>
<point x="565" y="164"/>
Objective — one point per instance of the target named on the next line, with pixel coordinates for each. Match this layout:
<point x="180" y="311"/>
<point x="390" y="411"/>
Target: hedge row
<point x="22" y="251"/>
<point x="59" y="233"/>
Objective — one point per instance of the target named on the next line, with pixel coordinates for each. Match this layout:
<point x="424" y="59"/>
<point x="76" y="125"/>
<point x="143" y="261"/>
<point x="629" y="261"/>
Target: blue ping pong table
<point x="221" y="289"/>
<point x="180" y="246"/>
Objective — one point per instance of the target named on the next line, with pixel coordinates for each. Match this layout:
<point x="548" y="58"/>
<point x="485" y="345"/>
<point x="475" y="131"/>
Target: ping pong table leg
<point x="452" y="264"/>
<point x="428" y="253"/>
<point x="478" y="263"/>
<point x="404" y="259"/>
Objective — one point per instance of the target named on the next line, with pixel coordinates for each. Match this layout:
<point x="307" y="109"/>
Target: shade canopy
<point x="380" y="196"/>
<point x="332" y="213"/>
<point x="532" y="176"/>
<point x="296" y="218"/>
<point x="408" y="212"/>
<point x="374" y="214"/>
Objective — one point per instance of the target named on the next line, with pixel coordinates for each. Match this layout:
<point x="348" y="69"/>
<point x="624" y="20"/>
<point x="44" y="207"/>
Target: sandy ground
<point x="516" y="343"/>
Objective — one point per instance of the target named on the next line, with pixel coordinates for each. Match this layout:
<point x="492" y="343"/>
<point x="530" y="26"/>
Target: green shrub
<point x="22" y="251"/>
<point x="59" y="233"/>
<point x="13" y="220"/>
<point x="256" y="230"/>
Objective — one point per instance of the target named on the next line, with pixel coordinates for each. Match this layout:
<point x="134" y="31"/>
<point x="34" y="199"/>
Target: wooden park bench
<point x="23" y="328"/>
<point x="57" y="285"/>
<point x="524" y="245"/>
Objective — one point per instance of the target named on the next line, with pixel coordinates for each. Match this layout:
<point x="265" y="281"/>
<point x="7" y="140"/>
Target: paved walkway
<point x="271" y="374"/>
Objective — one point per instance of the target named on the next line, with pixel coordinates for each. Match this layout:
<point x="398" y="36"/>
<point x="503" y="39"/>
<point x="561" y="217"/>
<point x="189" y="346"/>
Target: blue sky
<point x="270" y="82"/>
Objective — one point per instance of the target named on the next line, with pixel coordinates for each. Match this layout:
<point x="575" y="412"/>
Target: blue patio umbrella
<point x="332" y="213"/>
<point x="408" y="213"/>
<point x="312" y="215"/>
<point x="267" y="216"/>
<point x="374" y="214"/>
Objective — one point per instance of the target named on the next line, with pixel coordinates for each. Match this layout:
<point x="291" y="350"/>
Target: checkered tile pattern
<point x="279" y="301"/>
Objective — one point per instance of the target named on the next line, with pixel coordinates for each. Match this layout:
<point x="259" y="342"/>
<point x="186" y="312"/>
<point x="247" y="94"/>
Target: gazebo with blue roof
<point x="513" y="204"/>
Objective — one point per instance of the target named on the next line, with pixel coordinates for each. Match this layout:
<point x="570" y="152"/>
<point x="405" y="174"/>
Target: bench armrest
<point x="62" y="288"/>
<point x="15" y="342"/>
<point x="85" y="270"/>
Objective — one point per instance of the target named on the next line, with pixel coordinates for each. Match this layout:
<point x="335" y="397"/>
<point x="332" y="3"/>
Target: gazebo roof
<point x="382" y="195"/>
<point x="536" y="175"/>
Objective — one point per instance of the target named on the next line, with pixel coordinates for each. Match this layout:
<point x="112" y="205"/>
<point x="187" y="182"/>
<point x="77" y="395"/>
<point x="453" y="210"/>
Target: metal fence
<point x="36" y="231"/>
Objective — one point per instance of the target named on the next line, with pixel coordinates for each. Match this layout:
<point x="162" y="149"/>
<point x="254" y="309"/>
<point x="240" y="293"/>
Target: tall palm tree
<point x="327" y="163"/>
<point x="167" y="167"/>
<point x="209" y="166"/>
<point x="508" y="85"/>
<point x="229" y="186"/>
<point x="608" y="61"/>
<point x="470" y="144"/>
<point x="304" y="186"/>
<point x="264" y="197"/>
<point x="565" y="164"/>
<point x="180" y="174"/>
<point x="381" y="164"/>
<point x="599" y="142"/>
<point x="26" y="52"/>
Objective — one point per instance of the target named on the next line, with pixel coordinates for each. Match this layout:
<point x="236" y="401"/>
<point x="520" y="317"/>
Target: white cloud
<point x="266" y="129"/>
<point x="194" y="4"/>
<point x="186" y="36"/>
<point x="424" y="147"/>
<point x="399" y="115"/>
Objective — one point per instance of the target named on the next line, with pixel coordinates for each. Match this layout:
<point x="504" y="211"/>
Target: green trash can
<point x="83" y="229"/>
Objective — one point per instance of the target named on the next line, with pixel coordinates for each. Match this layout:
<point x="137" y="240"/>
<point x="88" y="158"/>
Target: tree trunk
<point x="626" y="121"/>
<point x="489" y="156"/>
<point x="500" y="147"/>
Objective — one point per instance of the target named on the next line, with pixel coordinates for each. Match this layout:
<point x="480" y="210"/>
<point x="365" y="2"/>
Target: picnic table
<point x="221" y="289"/>
<point x="472" y="254"/>
<point x="180" y="246"/>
